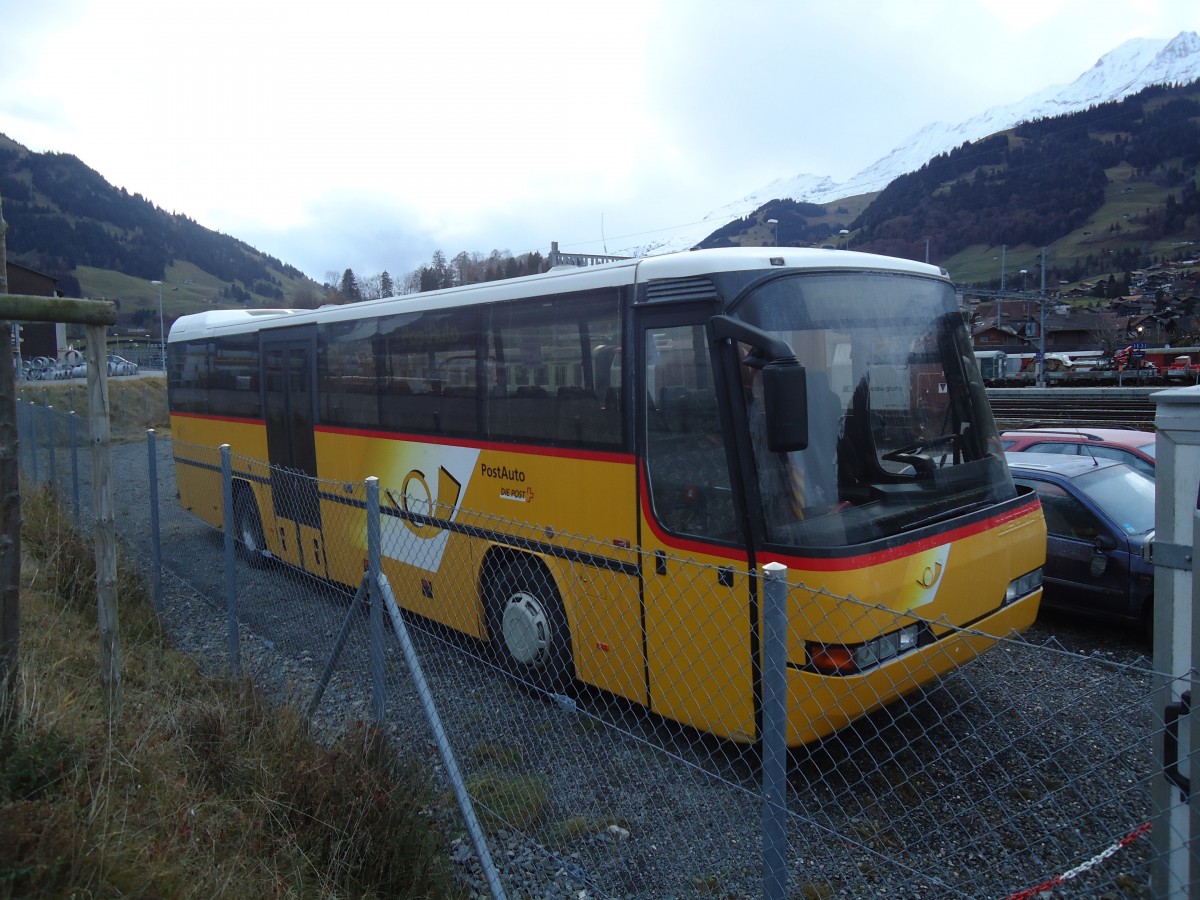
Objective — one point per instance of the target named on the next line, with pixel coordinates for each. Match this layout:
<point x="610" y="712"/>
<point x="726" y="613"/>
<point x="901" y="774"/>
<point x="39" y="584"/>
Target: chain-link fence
<point x="1027" y="771"/>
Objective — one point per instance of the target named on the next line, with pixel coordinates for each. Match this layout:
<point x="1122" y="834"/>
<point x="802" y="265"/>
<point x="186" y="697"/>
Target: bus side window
<point x="428" y="381"/>
<point x="548" y="378"/>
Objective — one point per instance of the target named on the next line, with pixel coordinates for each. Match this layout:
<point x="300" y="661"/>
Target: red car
<point x="1126" y="445"/>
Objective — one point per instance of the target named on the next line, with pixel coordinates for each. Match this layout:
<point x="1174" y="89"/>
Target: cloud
<point x="366" y="134"/>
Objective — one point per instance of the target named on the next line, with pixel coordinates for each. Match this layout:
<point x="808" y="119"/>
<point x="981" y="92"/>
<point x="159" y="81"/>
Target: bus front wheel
<point x="528" y="627"/>
<point x="248" y="527"/>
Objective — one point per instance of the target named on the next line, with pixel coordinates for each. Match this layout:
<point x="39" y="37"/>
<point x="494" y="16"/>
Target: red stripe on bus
<point x="842" y="564"/>
<point x="211" y="418"/>
<point x="838" y="563"/>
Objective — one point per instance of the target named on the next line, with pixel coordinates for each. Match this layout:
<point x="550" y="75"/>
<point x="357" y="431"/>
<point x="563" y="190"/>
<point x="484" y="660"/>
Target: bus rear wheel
<point x="528" y="627"/>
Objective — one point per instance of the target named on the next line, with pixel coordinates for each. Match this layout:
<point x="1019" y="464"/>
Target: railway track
<point x="1102" y="406"/>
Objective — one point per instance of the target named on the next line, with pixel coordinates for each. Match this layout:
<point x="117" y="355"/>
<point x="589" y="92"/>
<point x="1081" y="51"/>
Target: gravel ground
<point x="1003" y="775"/>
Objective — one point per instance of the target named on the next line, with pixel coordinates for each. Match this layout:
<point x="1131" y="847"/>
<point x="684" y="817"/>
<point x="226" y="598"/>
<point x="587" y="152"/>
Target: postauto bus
<point x="695" y="416"/>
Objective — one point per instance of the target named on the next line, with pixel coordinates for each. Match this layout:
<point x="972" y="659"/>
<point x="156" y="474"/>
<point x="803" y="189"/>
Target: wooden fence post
<point x="106" y="533"/>
<point x="10" y="503"/>
<point x="96" y="315"/>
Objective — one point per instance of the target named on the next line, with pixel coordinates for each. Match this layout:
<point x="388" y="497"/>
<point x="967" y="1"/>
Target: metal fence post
<point x="22" y="436"/>
<point x="50" y="448"/>
<point x="375" y="570"/>
<point x="155" y="545"/>
<point x="1175" y="868"/>
<point x="72" y="424"/>
<point x="383" y="590"/>
<point x="235" y="662"/>
<point x="774" y="737"/>
<point x="26" y="439"/>
<point x="33" y="456"/>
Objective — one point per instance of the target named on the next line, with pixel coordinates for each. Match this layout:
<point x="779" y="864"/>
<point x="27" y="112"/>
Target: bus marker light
<point x="1026" y="584"/>
<point x="832" y="659"/>
<point x="840" y="659"/>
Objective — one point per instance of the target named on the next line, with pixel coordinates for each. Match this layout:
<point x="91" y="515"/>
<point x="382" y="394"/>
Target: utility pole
<point x="1042" y="328"/>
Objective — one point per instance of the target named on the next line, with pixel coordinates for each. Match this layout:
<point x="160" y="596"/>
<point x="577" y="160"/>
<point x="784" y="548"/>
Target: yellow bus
<point x="584" y="469"/>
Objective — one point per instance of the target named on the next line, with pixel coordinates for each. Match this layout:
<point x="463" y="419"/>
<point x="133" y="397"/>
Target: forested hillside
<point x="63" y="215"/>
<point x="1045" y="179"/>
<point x="1111" y="188"/>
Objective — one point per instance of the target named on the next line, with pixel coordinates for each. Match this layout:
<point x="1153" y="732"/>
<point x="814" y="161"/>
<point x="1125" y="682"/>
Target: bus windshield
<point x="900" y="432"/>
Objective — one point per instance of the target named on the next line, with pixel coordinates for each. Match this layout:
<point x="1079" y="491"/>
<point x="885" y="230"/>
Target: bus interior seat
<point x="857" y="451"/>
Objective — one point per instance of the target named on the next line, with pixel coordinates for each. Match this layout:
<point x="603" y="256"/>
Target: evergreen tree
<point x="443" y="274"/>
<point x="349" y="287"/>
<point x="386" y="288"/>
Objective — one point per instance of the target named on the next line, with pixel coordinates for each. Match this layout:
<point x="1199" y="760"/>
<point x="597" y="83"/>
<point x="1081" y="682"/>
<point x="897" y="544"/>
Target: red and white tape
<point x="1084" y="866"/>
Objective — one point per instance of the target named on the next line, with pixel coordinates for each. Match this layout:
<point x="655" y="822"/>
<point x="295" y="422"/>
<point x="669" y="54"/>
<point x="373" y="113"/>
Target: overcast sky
<point x="366" y="135"/>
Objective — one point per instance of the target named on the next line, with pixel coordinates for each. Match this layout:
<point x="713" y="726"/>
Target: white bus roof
<point x="558" y="279"/>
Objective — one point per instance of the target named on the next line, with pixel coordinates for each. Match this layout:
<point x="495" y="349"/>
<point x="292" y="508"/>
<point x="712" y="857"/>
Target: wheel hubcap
<point x="249" y="538"/>
<point x="526" y="629"/>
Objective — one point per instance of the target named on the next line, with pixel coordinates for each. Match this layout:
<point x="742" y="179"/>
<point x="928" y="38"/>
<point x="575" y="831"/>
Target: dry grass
<point x="135" y="403"/>
<point x="200" y="789"/>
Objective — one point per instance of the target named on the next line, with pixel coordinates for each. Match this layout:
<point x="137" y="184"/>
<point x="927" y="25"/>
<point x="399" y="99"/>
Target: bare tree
<point x="370" y="287"/>
<point x="1110" y="334"/>
<point x="305" y="296"/>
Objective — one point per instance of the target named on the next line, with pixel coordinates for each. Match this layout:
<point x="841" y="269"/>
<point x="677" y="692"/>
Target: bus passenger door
<point x="700" y="619"/>
<point x="288" y="359"/>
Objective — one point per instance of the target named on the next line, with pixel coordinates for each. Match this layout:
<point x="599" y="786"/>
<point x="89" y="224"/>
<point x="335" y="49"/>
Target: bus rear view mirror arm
<point x="785" y="392"/>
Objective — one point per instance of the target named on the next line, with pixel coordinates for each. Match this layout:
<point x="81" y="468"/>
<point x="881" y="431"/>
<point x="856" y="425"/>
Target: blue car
<point x="1099" y="516"/>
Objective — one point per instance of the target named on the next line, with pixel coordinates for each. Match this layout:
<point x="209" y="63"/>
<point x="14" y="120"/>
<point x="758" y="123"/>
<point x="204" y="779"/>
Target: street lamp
<point x="774" y="223"/>
<point x="162" y="341"/>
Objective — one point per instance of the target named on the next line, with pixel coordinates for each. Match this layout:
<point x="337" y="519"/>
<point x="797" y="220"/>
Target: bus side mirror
<point x="785" y="405"/>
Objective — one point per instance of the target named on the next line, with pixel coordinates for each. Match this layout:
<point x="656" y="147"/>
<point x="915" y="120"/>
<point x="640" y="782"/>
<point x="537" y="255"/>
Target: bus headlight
<point x="1020" y="587"/>
<point x="849" y="659"/>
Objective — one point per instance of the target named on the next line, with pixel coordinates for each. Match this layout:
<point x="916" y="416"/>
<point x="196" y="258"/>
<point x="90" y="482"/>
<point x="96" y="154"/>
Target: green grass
<point x="199" y="788"/>
<point x="1126" y="198"/>
<point x="507" y="800"/>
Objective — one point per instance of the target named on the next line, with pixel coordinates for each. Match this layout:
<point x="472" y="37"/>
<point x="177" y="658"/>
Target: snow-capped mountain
<point x="1134" y="65"/>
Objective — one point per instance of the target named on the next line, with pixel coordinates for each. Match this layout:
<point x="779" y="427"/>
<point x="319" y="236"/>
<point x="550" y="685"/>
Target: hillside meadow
<point x="136" y="402"/>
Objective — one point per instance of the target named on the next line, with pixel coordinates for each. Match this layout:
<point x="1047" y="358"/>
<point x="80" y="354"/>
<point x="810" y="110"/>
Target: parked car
<point x="1135" y="448"/>
<point x="1099" y="516"/>
<point x="118" y="365"/>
